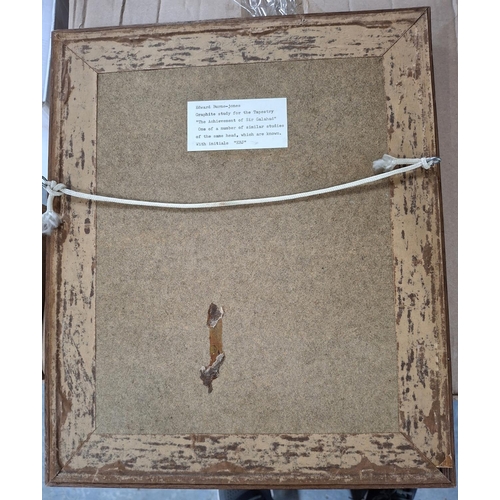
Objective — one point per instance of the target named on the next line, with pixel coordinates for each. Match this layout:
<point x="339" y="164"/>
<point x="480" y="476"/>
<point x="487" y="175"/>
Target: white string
<point x="50" y="219"/>
<point x="385" y="165"/>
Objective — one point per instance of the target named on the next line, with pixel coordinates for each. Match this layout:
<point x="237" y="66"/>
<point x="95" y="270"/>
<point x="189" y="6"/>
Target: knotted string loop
<point x="50" y="219"/>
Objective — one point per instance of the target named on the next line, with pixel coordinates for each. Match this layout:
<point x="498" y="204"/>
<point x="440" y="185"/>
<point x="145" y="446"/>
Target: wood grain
<point x="327" y="460"/>
<point x="286" y="38"/>
<point x="421" y="308"/>
<point x="70" y="336"/>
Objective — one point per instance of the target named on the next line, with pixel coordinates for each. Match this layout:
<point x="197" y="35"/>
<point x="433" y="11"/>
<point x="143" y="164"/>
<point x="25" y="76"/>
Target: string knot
<point x="388" y="163"/>
<point x="50" y="219"/>
<point x="428" y="162"/>
<point x="384" y="164"/>
<point x="52" y="187"/>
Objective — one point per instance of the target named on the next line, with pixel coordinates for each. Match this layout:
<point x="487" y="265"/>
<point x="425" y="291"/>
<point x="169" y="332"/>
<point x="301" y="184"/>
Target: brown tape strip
<point x="214" y="322"/>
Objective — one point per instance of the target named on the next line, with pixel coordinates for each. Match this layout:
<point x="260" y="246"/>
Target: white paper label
<point x="237" y="124"/>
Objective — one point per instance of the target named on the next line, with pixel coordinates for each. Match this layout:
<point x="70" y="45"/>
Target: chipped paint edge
<point x="70" y="330"/>
<point x="420" y="291"/>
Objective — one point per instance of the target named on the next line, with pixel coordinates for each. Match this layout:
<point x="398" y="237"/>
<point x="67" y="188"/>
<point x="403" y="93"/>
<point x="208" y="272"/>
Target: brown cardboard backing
<point x="307" y="286"/>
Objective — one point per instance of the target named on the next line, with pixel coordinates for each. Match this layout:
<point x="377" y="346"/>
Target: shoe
<point x="402" y="494"/>
<point x="245" y="495"/>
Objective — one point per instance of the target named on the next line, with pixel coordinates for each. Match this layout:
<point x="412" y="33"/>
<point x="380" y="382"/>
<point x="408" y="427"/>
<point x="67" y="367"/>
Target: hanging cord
<point x="384" y="168"/>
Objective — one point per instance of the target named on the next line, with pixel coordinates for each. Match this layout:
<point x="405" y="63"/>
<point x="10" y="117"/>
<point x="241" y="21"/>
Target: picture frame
<point x="419" y="453"/>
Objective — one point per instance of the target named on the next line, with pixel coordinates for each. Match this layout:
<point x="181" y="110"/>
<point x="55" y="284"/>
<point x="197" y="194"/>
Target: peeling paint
<point x="420" y="301"/>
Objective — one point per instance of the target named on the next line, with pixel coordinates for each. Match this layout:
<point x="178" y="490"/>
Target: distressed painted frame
<point x="421" y="454"/>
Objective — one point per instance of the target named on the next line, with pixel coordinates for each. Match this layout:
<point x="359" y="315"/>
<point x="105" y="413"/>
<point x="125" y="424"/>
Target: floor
<point x="56" y="493"/>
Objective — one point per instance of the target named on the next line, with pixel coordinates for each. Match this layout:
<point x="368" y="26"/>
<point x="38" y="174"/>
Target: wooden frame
<point x="421" y="454"/>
